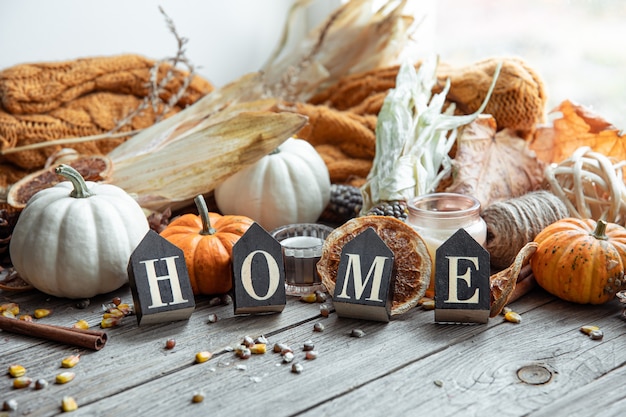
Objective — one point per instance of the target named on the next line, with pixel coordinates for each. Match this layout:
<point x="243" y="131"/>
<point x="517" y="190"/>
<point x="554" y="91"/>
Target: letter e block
<point x="159" y="281"/>
<point x="462" y="290"/>
<point x="258" y="273"/>
<point x="364" y="285"/>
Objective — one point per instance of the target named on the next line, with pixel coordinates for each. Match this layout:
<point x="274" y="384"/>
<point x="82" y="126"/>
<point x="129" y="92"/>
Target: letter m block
<point x="364" y="285"/>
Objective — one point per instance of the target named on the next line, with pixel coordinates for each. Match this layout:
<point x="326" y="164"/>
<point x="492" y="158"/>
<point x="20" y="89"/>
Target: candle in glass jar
<point x="436" y="217"/>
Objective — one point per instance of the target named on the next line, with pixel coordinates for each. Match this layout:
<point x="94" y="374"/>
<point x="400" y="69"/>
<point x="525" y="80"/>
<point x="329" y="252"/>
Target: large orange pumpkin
<point x="207" y="241"/>
<point x="581" y="260"/>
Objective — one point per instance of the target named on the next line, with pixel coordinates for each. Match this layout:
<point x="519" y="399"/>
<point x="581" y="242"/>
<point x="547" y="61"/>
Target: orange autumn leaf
<point x="494" y="166"/>
<point x="577" y="127"/>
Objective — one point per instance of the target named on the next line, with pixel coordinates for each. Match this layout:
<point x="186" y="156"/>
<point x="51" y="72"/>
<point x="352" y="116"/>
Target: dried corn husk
<point x="356" y="37"/>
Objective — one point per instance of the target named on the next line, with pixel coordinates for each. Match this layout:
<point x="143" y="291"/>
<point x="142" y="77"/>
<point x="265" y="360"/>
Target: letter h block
<point x="364" y="285"/>
<point x="159" y="281"/>
<point x="462" y="271"/>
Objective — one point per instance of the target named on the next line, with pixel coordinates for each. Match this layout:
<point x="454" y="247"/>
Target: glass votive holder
<point x="302" y="248"/>
<point x="436" y="217"/>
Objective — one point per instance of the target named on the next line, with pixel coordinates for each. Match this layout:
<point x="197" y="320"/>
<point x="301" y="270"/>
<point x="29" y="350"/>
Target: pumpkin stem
<point x="600" y="232"/>
<point x="80" y="186"/>
<point x="203" y="211"/>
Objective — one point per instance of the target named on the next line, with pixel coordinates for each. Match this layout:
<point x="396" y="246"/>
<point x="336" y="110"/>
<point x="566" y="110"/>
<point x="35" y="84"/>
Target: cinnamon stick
<point x="90" y="339"/>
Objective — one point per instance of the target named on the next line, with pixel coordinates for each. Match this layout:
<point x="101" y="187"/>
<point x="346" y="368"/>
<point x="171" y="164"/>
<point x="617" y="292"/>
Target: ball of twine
<point x="513" y="223"/>
<point x="591" y="186"/>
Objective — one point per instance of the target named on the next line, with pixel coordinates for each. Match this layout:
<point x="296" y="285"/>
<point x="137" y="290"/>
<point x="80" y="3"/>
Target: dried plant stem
<point x="68" y="141"/>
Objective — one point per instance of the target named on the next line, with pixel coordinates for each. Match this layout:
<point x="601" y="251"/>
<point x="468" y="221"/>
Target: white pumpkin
<point x="75" y="239"/>
<point x="290" y="185"/>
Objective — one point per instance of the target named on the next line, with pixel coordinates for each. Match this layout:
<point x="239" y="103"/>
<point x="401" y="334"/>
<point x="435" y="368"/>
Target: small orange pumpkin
<point x="207" y="241"/>
<point x="580" y="260"/>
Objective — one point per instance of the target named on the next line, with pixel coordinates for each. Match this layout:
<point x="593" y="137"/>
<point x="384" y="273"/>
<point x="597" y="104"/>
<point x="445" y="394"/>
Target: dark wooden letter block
<point x="462" y="291"/>
<point x="258" y="273"/>
<point x="159" y="281"/>
<point x="366" y="298"/>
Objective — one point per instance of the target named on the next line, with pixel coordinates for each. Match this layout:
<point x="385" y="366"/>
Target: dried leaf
<point x="577" y="127"/>
<point x="493" y="166"/>
<point x="503" y="283"/>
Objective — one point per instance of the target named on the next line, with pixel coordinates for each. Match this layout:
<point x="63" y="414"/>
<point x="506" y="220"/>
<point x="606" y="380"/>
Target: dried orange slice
<point x="92" y="168"/>
<point x="412" y="262"/>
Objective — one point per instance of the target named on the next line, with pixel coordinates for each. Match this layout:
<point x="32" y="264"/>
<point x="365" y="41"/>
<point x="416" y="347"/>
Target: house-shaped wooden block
<point x="364" y="285"/>
<point x="462" y="270"/>
<point x="159" y="281"/>
<point x="258" y="273"/>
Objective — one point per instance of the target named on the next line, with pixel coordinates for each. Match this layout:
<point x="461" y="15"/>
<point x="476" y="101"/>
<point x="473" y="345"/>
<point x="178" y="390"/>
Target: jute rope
<point x="513" y="223"/>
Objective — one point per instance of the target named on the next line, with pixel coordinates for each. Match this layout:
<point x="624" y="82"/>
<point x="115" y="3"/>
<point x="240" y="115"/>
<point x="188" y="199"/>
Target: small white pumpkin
<point x="75" y="239"/>
<point x="290" y="185"/>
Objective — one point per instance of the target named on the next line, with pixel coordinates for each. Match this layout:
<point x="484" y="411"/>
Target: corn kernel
<point x="8" y="314"/>
<point x="258" y="348"/>
<point x="125" y="308"/>
<point x="588" y="329"/>
<point x="70" y="361"/>
<point x="22" y="382"/>
<point x="12" y="308"/>
<point x="68" y="404"/>
<point x="428" y="304"/>
<point x="309" y="298"/>
<point x="113" y="313"/>
<point x="17" y="370"/>
<point x="198" y="397"/>
<point x="81" y="324"/>
<point x="26" y="317"/>
<point x="110" y="322"/>
<point x="64" y="377"/>
<point x="513" y="317"/>
<point x="42" y="312"/>
<point x="203" y="356"/>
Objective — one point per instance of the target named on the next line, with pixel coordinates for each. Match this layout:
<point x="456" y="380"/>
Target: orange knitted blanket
<point x="83" y="97"/>
<point x="342" y="119"/>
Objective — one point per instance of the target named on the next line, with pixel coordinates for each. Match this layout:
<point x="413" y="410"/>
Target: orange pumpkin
<point x="580" y="260"/>
<point x="207" y="242"/>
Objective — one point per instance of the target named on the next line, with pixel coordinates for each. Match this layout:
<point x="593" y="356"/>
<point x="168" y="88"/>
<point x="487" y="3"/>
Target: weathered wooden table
<point x="543" y="366"/>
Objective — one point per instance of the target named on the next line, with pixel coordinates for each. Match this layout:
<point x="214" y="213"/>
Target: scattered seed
<point x="596" y="334"/>
<point x="248" y="341"/>
<point x="278" y="347"/>
<point x="22" y="382"/>
<point x="428" y="304"/>
<point x="26" y="317"/>
<point x="215" y="301"/>
<point x="308" y="345"/>
<point x="243" y="353"/>
<point x="17" y="371"/>
<point x="318" y="327"/>
<point x="297" y="368"/>
<point x="116" y="301"/>
<point x="212" y="318"/>
<point x="70" y="361"/>
<point x="42" y="312"/>
<point x="324" y="310"/>
<point x="198" y="397"/>
<point x="170" y="344"/>
<point x="311" y="354"/>
<point x="12" y="308"/>
<point x="438" y="382"/>
<point x="110" y="322"/>
<point x="8" y="314"/>
<point x="83" y="304"/>
<point x="506" y="310"/>
<point x="513" y="317"/>
<point x="126" y="309"/>
<point x="10" y="405"/>
<point x="357" y="333"/>
<point x="588" y="329"/>
<point x="41" y="384"/>
<point x="64" y="377"/>
<point x="81" y="324"/>
<point x="261" y="339"/>
<point x="69" y="404"/>
<point x="227" y="299"/>
<point x="321" y="296"/>
<point x="203" y="356"/>
<point x="288" y="357"/>
<point x="309" y="298"/>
